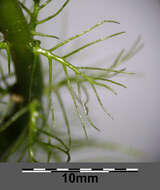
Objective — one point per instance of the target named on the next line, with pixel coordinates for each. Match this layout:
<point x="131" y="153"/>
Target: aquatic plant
<point x="27" y="123"/>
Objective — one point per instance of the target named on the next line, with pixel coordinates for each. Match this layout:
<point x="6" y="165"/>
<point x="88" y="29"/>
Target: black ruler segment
<point x="97" y="169"/>
<point x="27" y="169"/>
<point x="74" y="169"/>
<point x="51" y="169"/>
<point x="69" y="171"/>
<point x="80" y="170"/>
<point x="120" y="169"/>
<point x="123" y="171"/>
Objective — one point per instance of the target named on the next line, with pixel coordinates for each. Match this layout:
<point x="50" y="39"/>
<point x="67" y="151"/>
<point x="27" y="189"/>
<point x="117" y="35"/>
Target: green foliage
<point x="42" y="134"/>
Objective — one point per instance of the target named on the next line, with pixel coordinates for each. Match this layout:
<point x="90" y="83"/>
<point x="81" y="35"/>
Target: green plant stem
<point x="18" y="35"/>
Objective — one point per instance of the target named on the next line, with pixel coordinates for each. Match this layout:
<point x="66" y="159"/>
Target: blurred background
<point x="136" y="123"/>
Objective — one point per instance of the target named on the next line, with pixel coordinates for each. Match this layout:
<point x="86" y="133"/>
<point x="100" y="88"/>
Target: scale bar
<point x="80" y="170"/>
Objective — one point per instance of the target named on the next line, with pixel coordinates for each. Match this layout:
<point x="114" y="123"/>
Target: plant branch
<point x="54" y="15"/>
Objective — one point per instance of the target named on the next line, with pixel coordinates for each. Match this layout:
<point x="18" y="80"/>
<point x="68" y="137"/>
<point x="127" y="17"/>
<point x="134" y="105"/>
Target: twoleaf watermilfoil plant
<point x="25" y="126"/>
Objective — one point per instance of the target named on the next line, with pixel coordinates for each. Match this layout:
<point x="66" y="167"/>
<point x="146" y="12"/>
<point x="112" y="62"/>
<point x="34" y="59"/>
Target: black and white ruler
<point x="79" y="170"/>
